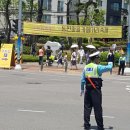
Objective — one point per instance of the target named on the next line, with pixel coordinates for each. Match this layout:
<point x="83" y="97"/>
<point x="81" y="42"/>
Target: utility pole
<point x="128" y="44"/>
<point x="68" y="18"/>
<point x="18" y="48"/>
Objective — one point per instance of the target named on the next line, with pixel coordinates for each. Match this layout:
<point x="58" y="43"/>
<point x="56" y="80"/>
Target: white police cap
<point x="95" y="54"/>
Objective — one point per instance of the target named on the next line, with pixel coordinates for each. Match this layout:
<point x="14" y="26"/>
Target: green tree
<point x="40" y="10"/>
<point x="98" y="17"/>
<point x="89" y="9"/>
<point x="9" y="9"/>
<point x="5" y="7"/>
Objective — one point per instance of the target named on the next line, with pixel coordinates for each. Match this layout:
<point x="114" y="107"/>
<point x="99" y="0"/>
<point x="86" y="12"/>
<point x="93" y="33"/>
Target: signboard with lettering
<point x="72" y="30"/>
<point x="6" y="55"/>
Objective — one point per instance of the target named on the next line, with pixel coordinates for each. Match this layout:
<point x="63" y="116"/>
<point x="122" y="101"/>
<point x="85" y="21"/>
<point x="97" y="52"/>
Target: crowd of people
<point x="78" y="56"/>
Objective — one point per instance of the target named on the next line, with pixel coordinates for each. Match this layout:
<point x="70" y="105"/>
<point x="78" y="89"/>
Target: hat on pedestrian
<point x="91" y="47"/>
<point x="95" y="54"/>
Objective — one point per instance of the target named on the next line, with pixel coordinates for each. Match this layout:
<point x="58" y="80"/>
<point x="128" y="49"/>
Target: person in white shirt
<point x="81" y="54"/>
<point x="74" y="58"/>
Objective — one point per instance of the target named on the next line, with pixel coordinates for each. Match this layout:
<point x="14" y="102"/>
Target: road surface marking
<point x="22" y="110"/>
<point x="110" y="117"/>
<point x="128" y="88"/>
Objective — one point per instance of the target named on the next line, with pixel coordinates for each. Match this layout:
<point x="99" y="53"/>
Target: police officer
<point x="122" y="63"/>
<point x="91" y="79"/>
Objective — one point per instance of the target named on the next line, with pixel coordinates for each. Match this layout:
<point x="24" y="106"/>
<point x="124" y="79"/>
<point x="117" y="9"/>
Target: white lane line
<point x="34" y="111"/>
<point x="128" y="88"/>
<point x="110" y="117"/>
<point x="122" y="82"/>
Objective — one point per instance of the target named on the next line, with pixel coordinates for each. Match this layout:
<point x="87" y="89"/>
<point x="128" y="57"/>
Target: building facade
<point x="54" y="11"/>
<point x="113" y="10"/>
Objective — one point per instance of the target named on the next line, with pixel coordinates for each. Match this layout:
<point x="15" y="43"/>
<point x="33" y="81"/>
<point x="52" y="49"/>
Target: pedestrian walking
<point x="62" y="46"/>
<point x="110" y="58"/>
<point x="74" y="58"/>
<point x="122" y="64"/>
<point x="41" y="54"/>
<point x="66" y="61"/>
<point x="59" y="57"/>
<point x="48" y="54"/>
<point x="81" y="54"/>
<point x="91" y="79"/>
<point x="87" y="57"/>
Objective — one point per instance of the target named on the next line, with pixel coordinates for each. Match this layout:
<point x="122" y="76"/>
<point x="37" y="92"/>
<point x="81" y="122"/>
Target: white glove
<point x="82" y="92"/>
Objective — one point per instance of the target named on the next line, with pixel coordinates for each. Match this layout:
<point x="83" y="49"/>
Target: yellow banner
<point x="72" y="30"/>
<point x="6" y="55"/>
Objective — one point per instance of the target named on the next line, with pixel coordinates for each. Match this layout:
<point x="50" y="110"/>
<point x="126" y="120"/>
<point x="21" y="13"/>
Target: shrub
<point x="103" y="63"/>
<point x="117" y="56"/>
<point x="30" y="58"/>
<point x="26" y="49"/>
<point x="103" y="56"/>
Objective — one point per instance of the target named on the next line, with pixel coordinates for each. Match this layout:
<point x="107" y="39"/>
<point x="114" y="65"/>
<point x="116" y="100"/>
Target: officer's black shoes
<point x="101" y="129"/>
<point x="87" y="127"/>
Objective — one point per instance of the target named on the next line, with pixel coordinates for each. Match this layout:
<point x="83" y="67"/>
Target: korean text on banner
<point x="72" y="30"/>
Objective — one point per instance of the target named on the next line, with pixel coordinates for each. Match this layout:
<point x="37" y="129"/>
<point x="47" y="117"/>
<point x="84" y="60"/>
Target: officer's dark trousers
<point x="93" y="98"/>
<point x="122" y="66"/>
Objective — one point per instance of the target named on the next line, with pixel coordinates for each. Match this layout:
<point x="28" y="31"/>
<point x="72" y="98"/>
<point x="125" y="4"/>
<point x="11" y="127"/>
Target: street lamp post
<point x="18" y="66"/>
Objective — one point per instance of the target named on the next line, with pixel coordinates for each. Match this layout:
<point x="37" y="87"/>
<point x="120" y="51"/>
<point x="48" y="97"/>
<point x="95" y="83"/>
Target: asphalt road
<point x="48" y="101"/>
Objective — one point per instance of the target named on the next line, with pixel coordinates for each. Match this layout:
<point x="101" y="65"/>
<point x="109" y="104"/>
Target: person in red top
<point x="41" y="54"/>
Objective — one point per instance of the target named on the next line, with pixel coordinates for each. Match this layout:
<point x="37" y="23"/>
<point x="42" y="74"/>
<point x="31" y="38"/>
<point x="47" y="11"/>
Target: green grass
<point x="31" y="58"/>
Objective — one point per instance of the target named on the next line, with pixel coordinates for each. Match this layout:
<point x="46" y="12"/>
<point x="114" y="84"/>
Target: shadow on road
<point x="95" y="128"/>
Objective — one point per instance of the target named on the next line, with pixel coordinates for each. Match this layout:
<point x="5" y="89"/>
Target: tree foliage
<point x="9" y="10"/>
<point x="91" y="13"/>
<point x="98" y="17"/>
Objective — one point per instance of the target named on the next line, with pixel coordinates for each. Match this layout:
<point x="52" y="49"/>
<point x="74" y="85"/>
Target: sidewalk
<point x="34" y="67"/>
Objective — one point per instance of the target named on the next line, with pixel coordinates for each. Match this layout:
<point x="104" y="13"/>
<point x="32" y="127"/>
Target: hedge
<point x="103" y="57"/>
<point x="31" y="58"/>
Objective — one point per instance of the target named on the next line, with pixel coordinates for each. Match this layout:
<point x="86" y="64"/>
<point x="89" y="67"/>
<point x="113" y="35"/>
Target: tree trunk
<point x="31" y="36"/>
<point x="40" y="9"/>
<point x="68" y="19"/>
<point x="79" y="40"/>
<point x="31" y="10"/>
<point x="85" y="19"/>
<point x="8" y="21"/>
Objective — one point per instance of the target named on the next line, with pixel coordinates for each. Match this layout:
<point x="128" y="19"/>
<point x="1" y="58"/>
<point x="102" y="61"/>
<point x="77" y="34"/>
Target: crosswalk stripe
<point x="128" y="88"/>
